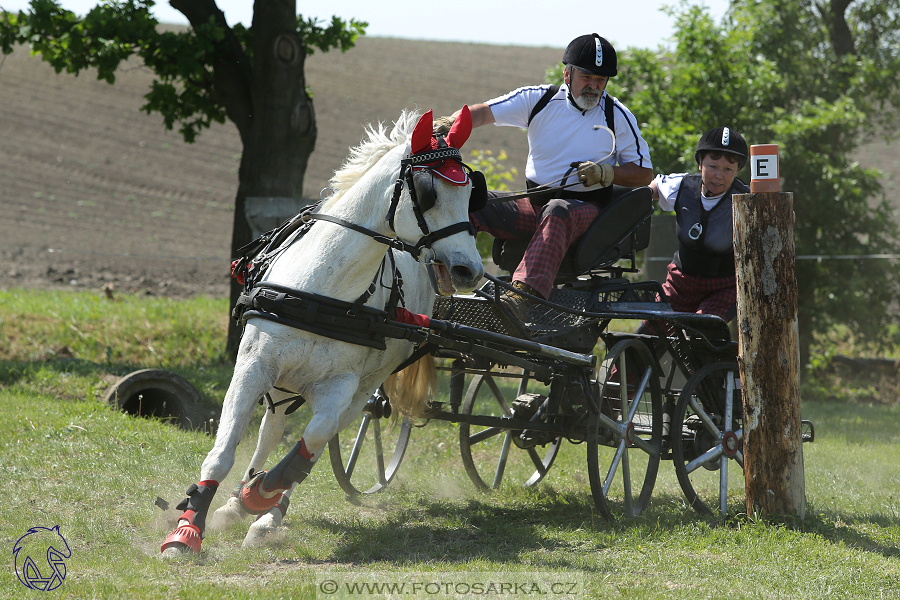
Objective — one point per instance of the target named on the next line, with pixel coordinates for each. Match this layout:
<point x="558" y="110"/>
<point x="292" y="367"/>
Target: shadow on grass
<point x="555" y="529"/>
<point x="460" y="533"/>
<point x="846" y="529"/>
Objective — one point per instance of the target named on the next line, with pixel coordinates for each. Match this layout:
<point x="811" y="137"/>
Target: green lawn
<point x="71" y="461"/>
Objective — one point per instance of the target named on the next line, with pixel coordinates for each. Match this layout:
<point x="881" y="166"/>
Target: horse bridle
<point x="417" y="173"/>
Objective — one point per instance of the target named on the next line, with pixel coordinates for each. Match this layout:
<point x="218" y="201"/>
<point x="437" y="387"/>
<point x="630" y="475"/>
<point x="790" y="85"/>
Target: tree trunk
<point x="769" y="356"/>
<point x="281" y="130"/>
<point x="834" y="14"/>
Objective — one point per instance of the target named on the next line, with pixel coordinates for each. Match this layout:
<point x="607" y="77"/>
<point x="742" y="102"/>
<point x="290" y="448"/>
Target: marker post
<point x="769" y="355"/>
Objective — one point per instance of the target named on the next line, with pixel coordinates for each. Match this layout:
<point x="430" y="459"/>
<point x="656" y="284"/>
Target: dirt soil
<point x="96" y="193"/>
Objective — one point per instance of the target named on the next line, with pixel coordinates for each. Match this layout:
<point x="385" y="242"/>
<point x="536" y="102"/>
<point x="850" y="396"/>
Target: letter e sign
<point x="764" y="168"/>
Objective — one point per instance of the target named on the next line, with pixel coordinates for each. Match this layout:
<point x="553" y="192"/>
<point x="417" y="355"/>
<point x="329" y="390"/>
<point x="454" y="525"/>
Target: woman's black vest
<point x="705" y="246"/>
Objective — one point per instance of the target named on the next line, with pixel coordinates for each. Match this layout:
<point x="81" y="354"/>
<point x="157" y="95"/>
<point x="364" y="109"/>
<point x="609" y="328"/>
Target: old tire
<point x="157" y="393"/>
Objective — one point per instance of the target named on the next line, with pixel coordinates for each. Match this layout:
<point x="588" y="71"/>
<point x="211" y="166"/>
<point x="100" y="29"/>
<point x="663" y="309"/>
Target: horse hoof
<point x="230" y="513"/>
<point x="184" y="538"/>
<point x="263" y="529"/>
<point x="175" y="552"/>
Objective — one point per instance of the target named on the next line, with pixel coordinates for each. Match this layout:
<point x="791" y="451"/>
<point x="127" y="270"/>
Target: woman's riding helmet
<point x="593" y="54"/>
<point x="723" y="139"/>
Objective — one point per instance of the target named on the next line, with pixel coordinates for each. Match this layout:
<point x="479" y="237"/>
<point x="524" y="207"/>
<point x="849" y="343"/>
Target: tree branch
<point x="232" y="71"/>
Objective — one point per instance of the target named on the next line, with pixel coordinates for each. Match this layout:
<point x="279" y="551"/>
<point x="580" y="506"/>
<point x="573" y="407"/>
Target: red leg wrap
<point x="190" y="534"/>
<point x="303" y="451"/>
<point x="293" y="468"/>
<point x="252" y="501"/>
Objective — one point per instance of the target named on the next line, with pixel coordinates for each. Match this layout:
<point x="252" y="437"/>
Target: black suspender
<point x="545" y="99"/>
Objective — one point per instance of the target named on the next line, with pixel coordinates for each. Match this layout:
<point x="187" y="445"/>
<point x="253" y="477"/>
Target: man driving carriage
<point x="570" y="134"/>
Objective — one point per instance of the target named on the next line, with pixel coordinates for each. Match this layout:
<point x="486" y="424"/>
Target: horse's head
<point x="433" y="213"/>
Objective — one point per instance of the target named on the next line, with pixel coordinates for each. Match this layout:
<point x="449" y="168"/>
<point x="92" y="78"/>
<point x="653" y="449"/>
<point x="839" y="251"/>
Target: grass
<point x="71" y="461"/>
<point x="867" y="377"/>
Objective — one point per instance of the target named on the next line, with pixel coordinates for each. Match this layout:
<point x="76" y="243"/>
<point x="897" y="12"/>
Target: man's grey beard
<point x="586" y="101"/>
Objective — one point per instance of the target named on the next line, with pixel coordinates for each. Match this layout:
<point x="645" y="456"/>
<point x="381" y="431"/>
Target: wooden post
<point x="769" y="355"/>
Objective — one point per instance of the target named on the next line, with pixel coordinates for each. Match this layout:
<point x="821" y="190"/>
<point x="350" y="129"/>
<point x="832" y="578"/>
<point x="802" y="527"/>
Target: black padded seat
<point x="620" y="230"/>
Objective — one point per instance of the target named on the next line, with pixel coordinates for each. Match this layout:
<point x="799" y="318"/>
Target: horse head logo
<point x="33" y="549"/>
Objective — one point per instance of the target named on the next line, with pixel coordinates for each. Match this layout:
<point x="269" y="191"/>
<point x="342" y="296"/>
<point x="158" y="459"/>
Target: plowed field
<point x="96" y="192"/>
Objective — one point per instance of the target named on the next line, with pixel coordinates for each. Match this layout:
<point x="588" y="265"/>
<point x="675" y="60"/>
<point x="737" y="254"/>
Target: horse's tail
<point x="412" y="389"/>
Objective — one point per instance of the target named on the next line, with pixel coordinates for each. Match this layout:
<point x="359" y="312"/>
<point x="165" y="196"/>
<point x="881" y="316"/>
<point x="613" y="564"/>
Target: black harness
<point x="419" y="180"/>
<point x="352" y="322"/>
<point x="420" y="184"/>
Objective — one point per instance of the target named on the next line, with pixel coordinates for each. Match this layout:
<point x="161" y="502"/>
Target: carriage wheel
<point x="709" y="411"/>
<point x="624" y="437"/>
<point x="374" y="454"/>
<point x="486" y="450"/>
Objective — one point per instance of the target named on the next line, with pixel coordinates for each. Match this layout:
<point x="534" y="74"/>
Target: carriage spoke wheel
<point x="373" y="455"/>
<point x="490" y="454"/>
<point x="624" y="437"/>
<point x="708" y="455"/>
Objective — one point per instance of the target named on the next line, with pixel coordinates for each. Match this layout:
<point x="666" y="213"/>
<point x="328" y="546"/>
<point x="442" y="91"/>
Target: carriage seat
<point x="620" y="230"/>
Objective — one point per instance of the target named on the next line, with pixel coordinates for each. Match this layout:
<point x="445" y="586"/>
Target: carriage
<point x="674" y="396"/>
<point x="337" y="297"/>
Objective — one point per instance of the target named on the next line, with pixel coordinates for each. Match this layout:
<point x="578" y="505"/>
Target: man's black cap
<point x="593" y="54"/>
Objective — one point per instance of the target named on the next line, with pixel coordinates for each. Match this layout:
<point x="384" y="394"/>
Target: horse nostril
<point x="461" y="273"/>
<point x="465" y="275"/>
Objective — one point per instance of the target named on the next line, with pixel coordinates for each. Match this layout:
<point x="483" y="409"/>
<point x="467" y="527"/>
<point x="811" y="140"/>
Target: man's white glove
<point x="590" y="174"/>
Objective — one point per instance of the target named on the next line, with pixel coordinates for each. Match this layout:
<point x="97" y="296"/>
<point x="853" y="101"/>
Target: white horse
<point x="407" y="188"/>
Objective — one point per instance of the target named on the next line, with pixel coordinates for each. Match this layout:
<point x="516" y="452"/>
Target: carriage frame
<point x="672" y="396"/>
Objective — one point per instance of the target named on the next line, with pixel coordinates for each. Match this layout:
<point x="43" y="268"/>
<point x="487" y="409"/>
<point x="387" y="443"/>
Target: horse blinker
<point x="478" y="199"/>
<point x="426" y="195"/>
<point x="423" y="182"/>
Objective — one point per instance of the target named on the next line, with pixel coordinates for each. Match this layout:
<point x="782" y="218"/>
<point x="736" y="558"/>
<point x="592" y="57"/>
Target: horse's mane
<point x="364" y="156"/>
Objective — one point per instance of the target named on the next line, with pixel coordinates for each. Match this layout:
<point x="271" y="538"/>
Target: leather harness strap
<point x="351" y="322"/>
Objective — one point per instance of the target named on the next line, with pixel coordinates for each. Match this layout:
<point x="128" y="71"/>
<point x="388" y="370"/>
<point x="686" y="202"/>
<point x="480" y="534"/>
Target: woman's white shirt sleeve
<point x="668" y="189"/>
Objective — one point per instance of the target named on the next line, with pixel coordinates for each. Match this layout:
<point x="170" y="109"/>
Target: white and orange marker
<point x="764" y="172"/>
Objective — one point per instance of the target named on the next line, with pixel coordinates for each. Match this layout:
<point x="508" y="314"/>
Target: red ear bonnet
<point x="422" y="135"/>
<point x="423" y="140"/>
<point x="461" y="128"/>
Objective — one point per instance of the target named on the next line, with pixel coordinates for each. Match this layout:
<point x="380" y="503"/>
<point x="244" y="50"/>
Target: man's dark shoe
<point x="516" y="306"/>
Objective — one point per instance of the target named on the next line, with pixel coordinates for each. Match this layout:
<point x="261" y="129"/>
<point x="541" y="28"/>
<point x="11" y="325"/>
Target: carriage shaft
<point x="542" y="350"/>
